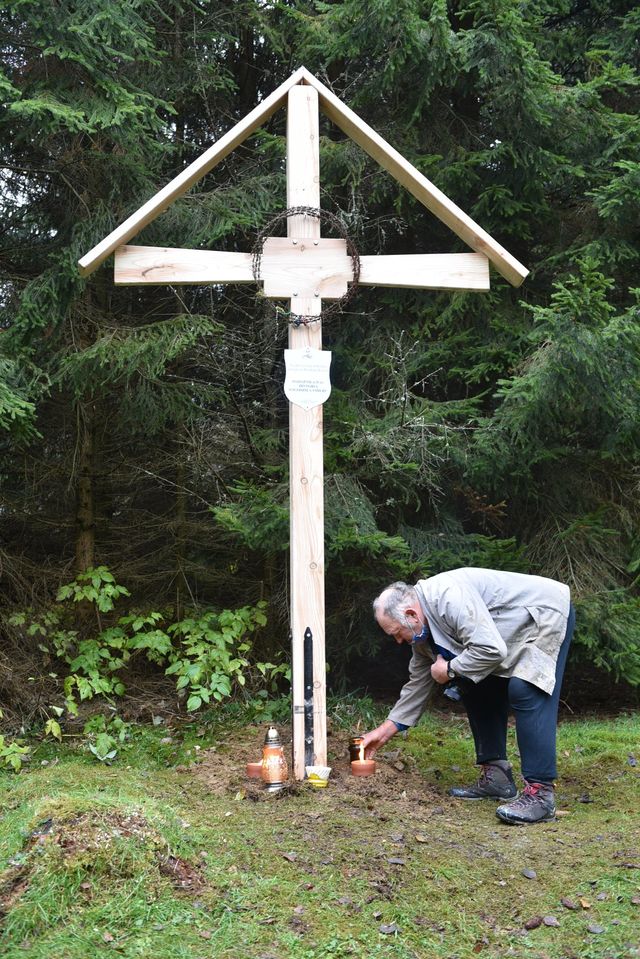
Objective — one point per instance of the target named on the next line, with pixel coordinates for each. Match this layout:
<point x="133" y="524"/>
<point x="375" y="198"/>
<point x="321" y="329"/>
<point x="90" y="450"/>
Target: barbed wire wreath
<point x="297" y="319"/>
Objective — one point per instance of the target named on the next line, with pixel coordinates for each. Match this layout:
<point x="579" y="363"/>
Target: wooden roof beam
<point x="190" y="175"/>
<point x="418" y="185"/>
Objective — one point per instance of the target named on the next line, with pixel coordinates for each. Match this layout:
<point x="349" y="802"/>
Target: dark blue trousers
<point x="536" y="713"/>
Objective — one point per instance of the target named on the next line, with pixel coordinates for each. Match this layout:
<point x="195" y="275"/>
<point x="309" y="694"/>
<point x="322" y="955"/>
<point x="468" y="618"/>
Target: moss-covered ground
<point x="170" y="852"/>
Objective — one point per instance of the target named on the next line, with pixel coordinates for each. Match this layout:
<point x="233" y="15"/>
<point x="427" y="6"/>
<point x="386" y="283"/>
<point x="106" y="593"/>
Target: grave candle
<point x="362" y="766"/>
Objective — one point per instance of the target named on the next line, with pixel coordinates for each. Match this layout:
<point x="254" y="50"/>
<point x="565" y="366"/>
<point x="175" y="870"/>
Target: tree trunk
<point x="85" y="505"/>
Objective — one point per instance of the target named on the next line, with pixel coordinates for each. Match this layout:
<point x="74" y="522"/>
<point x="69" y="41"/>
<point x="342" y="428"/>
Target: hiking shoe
<point x="536" y="803"/>
<point x="495" y="782"/>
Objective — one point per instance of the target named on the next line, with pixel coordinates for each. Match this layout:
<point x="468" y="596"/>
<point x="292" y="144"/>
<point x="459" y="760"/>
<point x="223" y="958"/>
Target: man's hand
<point x="378" y="737"/>
<point x="439" y="670"/>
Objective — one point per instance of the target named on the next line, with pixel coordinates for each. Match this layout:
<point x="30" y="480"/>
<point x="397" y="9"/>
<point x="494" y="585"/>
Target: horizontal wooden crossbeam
<point x="303" y="269"/>
<point x="136" y="265"/>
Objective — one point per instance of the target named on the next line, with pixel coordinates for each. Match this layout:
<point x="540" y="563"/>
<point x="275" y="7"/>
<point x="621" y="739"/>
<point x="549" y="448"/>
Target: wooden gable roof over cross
<point x="427" y="271"/>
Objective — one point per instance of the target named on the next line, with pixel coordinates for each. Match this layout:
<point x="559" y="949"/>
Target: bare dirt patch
<point x="222" y="771"/>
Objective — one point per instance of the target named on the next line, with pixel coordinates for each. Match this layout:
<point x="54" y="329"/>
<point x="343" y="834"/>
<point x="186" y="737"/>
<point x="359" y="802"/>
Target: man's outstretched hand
<point x="378" y="737"/>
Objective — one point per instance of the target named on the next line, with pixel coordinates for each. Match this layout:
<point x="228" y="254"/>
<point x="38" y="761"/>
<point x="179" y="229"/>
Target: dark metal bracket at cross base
<point x="308" y="698"/>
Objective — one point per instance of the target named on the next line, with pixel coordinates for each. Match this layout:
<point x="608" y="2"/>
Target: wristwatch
<point x="450" y="671"/>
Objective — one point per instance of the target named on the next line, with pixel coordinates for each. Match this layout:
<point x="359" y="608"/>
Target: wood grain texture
<point x="427" y="271"/>
<point x="140" y="265"/>
<point x="306" y="473"/>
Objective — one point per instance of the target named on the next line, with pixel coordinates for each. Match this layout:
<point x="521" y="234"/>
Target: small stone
<point x="596" y="930"/>
<point x="550" y="921"/>
<point x="529" y="874"/>
<point x="601" y="896"/>
<point x="632" y="761"/>
<point x="389" y="930"/>
<point x="397" y="862"/>
<point x="533" y="923"/>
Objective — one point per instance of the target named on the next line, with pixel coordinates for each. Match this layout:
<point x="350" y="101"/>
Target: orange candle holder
<point x="363" y="767"/>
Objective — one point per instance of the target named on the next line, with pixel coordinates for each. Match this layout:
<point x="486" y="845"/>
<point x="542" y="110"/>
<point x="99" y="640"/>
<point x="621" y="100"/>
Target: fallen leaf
<point x="550" y="921"/>
<point x="596" y="930"/>
<point x="584" y="903"/>
<point x="421" y="838"/>
<point x="635" y="900"/>
<point x="389" y="930"/>
<point x="397" y="837"/>
<point x="377" y="915"/>
<point x="298" y="910"/>
<point x="533" y="923"/>
<point x="204" y="934"/>
<point x="241" y="794"/>
<point x="569" y="904"/>
<point x="290" y="856"/>
<point x="107" y="937"/>
<point x="529" y="874"/>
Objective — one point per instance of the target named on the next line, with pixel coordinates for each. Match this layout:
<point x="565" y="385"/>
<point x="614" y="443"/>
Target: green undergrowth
<point x="148" y="857"/>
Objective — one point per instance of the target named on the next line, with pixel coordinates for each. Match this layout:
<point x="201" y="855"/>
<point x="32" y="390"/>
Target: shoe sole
<point x="487" y="796"/>
<point x="526" y="822"/>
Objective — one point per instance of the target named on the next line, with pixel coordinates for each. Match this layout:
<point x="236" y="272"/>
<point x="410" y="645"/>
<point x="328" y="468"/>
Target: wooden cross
<point x="306" y="268"/>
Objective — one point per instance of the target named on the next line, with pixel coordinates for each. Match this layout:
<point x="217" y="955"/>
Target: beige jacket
<point x="501" y="624"/>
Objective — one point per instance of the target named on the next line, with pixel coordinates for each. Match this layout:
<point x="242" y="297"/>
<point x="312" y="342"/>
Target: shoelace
<point x="529" y="793"/>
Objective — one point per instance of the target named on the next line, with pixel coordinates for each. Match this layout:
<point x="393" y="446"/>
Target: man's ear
<point x="412" y="613"/>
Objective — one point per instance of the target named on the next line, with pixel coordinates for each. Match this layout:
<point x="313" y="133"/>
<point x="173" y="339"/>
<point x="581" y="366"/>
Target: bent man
<point x="504" y="638"/>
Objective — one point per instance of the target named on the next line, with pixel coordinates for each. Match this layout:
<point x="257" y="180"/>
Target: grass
<point x="170" y="853"/>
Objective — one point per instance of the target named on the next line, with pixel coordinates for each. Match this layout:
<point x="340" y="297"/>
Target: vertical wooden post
<point x="305" y="443"/>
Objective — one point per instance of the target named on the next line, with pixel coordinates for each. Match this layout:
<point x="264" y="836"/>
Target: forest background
<point x="144" y="433"/>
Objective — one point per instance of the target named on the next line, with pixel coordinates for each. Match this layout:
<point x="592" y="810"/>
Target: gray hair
<point x="393" y="601"/>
